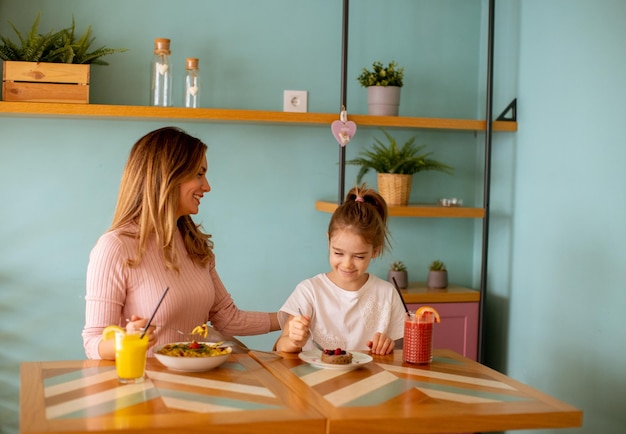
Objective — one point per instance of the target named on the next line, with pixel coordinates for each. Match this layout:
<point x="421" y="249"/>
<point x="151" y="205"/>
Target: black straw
<point x="400" y="294"/>
<point x="145" y="329"/>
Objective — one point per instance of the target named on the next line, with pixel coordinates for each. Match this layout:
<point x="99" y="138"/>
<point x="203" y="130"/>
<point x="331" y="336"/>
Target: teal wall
<point x="556" y="301"/>
<point x="550" y="226"/>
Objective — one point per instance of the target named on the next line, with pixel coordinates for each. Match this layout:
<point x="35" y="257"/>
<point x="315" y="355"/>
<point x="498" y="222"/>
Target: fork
<point x="315" y="344"/>
<point x="180" y="332"/>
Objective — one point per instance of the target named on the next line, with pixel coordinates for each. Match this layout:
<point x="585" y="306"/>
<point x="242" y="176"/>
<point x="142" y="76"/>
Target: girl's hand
<point x="138" y="323"/>
<point x="298" y="327"/>
<point x="381" y="344"/>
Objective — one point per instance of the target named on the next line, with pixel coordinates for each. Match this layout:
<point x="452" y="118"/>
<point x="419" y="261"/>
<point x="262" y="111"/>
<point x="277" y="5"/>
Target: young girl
<point x="347" y="308"/>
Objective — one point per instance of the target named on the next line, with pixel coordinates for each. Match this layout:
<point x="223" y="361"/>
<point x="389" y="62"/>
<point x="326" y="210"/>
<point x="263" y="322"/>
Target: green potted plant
<point x="398" y="275"/>
<point x="52" y="66"/>
<point x="383" y="85"/>
<point x="437" y="275"/>
<point x="396" y="166"/>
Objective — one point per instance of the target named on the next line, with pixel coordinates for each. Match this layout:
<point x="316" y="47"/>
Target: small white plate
<point x="314" y="358"/>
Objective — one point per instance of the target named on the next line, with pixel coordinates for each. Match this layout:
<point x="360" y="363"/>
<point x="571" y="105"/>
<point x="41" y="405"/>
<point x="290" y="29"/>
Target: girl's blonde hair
<point x="364" y="211"/>
<point x="149" y="194"/>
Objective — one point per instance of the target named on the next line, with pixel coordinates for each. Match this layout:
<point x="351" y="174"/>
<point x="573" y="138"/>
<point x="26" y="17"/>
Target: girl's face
<point x="349" y="258"/>
<point x="192" y="190"/>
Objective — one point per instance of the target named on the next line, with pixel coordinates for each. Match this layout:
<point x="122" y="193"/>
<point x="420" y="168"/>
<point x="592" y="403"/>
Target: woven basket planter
<point x="395" y="189"/>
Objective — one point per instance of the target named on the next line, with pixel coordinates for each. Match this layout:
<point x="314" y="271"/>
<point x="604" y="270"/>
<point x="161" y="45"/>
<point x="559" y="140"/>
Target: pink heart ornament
<point x="343" y="131"/>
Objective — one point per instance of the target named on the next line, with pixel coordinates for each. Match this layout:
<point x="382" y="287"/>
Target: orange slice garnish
<point x="110" y="331"/>
<point x="422" y="310"/>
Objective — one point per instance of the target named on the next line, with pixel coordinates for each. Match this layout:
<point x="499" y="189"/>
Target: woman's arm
<point x="105" y="295"/>
<point x="274" y="324"/>
<point x="106" y="347"/>
<point x="227" y="318"/>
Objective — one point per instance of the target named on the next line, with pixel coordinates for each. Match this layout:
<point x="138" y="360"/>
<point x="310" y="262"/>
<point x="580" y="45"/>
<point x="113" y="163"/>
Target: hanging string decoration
<point x="343" y="129"/>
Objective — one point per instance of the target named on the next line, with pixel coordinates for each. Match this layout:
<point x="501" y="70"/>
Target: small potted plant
<point x="396" y="166"/>
<point x="50" y="67"/>
<point x="383" y="85"/>
<point x="398" y="275"/>
<point x="437" y="275"/>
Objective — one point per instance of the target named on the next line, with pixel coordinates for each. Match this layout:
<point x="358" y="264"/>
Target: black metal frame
<point x="486" y="184"/>
<point x="487" y="167"/>
<point x="344" y="96"/>
<point x="512" y="108"/>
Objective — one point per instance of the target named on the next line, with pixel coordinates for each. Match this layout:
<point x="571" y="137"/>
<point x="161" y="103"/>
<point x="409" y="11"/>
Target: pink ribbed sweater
<point x="115" y="292"/>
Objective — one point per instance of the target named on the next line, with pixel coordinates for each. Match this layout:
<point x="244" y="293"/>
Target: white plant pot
<point x="383" y="100"/>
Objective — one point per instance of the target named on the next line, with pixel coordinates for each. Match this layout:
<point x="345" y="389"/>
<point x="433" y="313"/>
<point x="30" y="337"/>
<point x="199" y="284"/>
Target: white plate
<point x="191" y="364"/>
<point x="314" y="358"/>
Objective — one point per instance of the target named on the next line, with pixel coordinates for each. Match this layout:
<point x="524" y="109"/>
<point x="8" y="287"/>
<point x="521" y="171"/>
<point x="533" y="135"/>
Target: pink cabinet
<point x="458" y="329"/>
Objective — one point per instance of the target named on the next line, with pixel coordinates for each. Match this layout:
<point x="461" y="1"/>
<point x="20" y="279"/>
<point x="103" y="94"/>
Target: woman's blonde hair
<point x="364" y="211"/>
<point x="149" y="194"/>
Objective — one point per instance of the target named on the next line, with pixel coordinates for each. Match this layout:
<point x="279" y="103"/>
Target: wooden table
<point x="452" y="394"/>
<point x="278" y="393"/>
<point x="240" y="396"/>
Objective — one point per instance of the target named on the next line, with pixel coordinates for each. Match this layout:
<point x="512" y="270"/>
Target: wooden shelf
<point x="418" y="292"/>
<point x="102" y="111"/>
<point x="417" y="210"/>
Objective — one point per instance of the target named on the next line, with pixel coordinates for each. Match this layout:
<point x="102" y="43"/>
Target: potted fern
<point x="396" y="166"/>
<point x="437" y="275"/>
<point x="383" y="85"/>
<point x="49" y="67"/>
<point x="398" y="275"/>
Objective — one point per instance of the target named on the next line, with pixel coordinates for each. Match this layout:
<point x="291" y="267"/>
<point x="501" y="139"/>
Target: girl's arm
<point x="294" y="335"/>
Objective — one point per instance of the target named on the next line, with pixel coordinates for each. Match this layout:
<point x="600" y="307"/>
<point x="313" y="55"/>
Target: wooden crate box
<point x="45" y="82"/>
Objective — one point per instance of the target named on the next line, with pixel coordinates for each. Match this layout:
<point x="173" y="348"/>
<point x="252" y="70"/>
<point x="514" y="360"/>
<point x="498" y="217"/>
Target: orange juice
<point x="130" y="356"/>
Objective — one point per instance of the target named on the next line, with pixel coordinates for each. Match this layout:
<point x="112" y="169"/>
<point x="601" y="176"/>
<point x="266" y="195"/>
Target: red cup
<point x="418" y="338"/>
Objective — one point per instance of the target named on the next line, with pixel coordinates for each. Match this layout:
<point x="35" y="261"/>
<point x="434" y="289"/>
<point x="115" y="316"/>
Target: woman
<point x="152" y="244"/>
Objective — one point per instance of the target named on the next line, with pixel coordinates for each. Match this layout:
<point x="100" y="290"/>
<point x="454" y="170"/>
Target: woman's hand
<point x="138" y="323"/>
<point x="381" y="344"/>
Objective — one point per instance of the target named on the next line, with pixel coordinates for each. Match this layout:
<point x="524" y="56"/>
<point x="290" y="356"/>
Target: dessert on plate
<point x="336" y="357"/>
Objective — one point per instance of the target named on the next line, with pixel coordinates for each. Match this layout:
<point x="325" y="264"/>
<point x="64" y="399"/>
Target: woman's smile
<point x="192" y="191"/>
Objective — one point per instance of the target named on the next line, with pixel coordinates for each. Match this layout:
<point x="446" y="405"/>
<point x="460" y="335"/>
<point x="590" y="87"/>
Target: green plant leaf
<point x="382" y="76"/>
<point x="55" y="46"/>
<point x="390" y="158"/>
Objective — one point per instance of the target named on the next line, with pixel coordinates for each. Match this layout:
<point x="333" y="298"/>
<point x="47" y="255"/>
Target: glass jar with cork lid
<point x="192" y="83"/>
<point x="161" y="87"/>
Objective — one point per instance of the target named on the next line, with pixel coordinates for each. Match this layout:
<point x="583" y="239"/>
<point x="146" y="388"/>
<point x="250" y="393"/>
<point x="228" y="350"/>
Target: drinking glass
<point x="130" y="356"/>
<point x="418" y="338"/>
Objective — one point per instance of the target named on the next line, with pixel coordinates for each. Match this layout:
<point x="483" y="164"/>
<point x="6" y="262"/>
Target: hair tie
<point x="359" y="199"/>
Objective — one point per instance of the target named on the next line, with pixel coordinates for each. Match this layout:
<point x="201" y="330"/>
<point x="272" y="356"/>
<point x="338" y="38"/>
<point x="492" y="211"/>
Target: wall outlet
<point x="295" y="101"/>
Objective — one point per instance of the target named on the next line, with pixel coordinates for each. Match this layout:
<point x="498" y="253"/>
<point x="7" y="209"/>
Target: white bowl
<point x="191" y="364"/>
